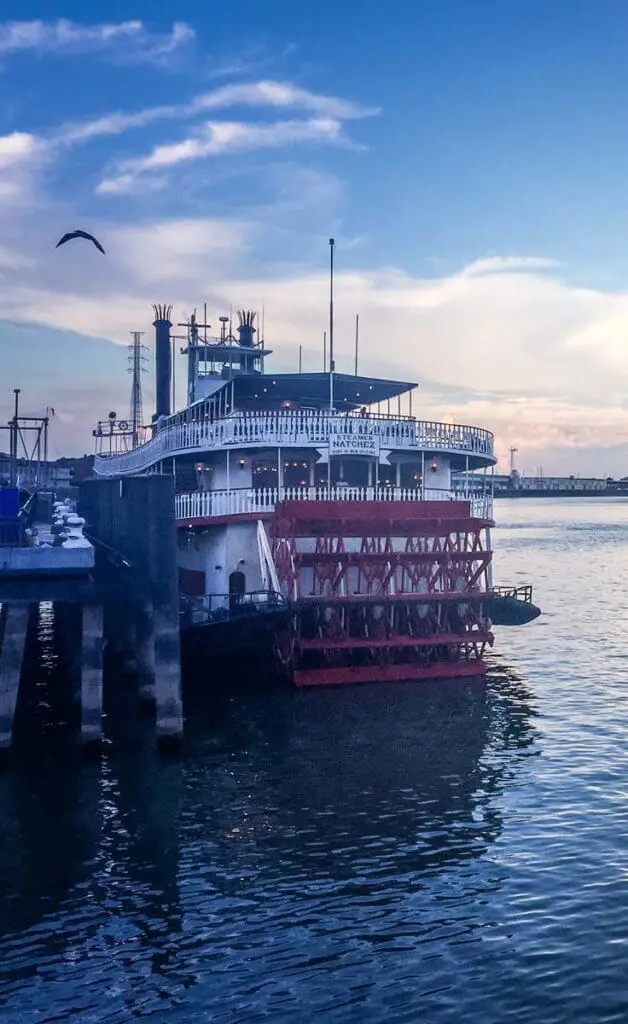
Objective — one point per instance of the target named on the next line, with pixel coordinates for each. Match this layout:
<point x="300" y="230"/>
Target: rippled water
<point x="443" y="853"/>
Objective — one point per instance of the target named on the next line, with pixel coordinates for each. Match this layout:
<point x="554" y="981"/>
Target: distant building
<point x="507" y="484"/>
<point x="59" y="476"/>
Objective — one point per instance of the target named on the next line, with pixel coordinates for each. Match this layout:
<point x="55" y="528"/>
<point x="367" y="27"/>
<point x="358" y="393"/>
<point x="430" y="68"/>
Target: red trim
<point x="378" y="511"/>
<point x="428" y="597"/>
<point x="387" y="673"/>
<point x="433" y="640"/>
<point x="407" y="526"/>
<point x="311" y="558"/>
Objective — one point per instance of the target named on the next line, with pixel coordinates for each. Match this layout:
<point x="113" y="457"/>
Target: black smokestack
<point x="163" y="360"/>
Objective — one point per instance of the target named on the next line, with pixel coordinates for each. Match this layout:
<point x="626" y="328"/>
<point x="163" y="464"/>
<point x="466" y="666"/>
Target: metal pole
<point x="331" y="324"/>
<point x="300" y="358"/>
<point x="174" y="401"/>
<point x="13" y="446"/>
<point x="262" y="337"/>
<point x="357" y="334"/>
<point x="38" y="447"/>
<point x="324" y="351"/>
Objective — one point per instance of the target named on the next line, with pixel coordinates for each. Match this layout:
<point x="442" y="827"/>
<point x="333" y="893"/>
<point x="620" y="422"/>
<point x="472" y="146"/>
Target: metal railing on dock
<point x="215" y="608"/>
<point x="522" y="593"/>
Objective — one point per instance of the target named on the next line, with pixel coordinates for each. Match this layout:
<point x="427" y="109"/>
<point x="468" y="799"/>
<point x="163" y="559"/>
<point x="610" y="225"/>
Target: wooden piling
<point x="13" y="626"/>
<point x="91" y="675"/>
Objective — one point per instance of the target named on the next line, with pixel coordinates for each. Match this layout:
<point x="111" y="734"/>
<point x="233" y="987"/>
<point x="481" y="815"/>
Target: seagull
<point x="80" y="234"/>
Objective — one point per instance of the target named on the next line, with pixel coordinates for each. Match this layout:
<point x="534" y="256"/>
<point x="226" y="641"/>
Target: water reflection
<point x="49" y="828"/>
<point x="302" y="833"/>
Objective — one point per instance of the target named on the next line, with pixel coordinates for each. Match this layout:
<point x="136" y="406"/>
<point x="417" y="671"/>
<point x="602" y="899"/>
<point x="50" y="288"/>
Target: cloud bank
<point x="505" y="341"/>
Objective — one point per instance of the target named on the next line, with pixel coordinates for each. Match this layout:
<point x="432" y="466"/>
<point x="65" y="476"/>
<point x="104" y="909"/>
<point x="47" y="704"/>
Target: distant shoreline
<point x="562" y="494"/>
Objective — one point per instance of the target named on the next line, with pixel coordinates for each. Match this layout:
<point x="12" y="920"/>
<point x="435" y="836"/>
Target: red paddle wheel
<point x="382" y="590"/>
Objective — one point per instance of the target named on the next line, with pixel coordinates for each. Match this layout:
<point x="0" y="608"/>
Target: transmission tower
<point x="137" y="367"/>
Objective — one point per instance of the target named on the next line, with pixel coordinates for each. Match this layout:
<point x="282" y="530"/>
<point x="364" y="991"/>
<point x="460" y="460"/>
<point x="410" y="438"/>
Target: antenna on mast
<point x="331" y="324"/>
<point x="262" y="337"/>
<point x="357" y="332"/>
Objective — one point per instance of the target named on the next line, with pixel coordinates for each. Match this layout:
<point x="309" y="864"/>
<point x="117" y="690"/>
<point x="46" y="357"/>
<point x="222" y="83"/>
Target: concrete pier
<point x="145" y="651"/>
<point x="91" y="675"/>
<point x="116" y="618"/>
<point x="13" y="626"/>
<point x="168" y="677"/>
<point x="134" y="519"/>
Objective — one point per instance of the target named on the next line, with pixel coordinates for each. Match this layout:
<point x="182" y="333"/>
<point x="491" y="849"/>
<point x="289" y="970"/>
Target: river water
<point x="452" y="852"/>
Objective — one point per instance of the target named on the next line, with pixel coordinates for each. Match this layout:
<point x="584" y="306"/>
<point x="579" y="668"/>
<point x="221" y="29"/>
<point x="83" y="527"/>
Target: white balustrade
<point x="213" y="504"/>
<point x="294" y="428"/>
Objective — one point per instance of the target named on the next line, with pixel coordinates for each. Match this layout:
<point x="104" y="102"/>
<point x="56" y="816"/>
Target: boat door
<point x="237" y="585"/>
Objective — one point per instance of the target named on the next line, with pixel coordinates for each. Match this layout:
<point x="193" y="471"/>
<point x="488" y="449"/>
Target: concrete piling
<point x="168" y="677"/>
<point x="134" y="518"/>
<point x="13" y="625"/>
<point x="145" y="650"/>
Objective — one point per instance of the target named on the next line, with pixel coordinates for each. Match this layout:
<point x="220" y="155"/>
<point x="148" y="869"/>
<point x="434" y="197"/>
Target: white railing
<point x="211" y="504"/>
<point x="296" y="429"/>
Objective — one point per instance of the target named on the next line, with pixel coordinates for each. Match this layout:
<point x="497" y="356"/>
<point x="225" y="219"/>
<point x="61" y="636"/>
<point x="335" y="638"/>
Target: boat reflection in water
<point x="301" y="832"/>
<point x="388" y="780"/>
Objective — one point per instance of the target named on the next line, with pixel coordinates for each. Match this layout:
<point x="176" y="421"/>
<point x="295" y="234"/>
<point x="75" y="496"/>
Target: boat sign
<point x="353" y="442"/>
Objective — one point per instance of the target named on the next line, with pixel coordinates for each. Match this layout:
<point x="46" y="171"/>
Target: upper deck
<point x="352" y="434"/>
<point x="325" y="418"/>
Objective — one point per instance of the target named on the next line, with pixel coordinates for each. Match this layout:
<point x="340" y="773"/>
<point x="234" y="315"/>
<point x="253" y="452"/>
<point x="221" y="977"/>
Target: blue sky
<point x="470" y="158"/>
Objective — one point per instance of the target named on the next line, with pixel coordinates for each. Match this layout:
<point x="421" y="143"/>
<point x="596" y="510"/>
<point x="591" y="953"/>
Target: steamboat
<point x="359" y="533"/>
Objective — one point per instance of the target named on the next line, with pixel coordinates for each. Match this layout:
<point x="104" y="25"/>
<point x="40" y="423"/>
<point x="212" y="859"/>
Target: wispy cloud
<point x="504" y="264"/>
<point x="281" y="95"/>
<point x="248" y="60"/>
<point x="220" y="137"/>
<point x="115" y="124"/>
<point x="127" y="39"/>
<point x="262" y="94"/>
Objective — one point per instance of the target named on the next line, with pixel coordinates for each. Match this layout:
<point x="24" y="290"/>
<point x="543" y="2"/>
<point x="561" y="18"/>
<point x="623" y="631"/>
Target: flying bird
<point x="80" y="234"/>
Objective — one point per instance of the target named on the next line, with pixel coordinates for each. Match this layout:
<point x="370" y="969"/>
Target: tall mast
<point x="331" y="324"/>
<point x="357" y="334"/>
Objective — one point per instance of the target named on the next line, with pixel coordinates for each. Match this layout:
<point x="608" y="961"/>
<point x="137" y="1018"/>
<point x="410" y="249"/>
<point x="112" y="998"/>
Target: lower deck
<point x="375" y="589"/>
